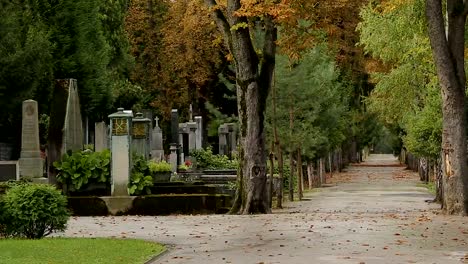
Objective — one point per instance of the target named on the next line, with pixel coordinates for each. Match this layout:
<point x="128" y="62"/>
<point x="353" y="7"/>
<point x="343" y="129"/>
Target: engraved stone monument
<point x="30" y="162"/>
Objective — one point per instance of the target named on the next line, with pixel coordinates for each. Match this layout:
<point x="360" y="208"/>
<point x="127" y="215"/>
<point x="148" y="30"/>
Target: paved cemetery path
<point x="374" y="213"/>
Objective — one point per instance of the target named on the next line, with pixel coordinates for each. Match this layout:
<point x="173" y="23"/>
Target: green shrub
<point x="82" y="167"/>
<point x="140" y="183"/>
<point x="158" y="166"/>
<point x="33" y="211"/>
<point x="207" y="160"/>
<point x="141" y="180"/>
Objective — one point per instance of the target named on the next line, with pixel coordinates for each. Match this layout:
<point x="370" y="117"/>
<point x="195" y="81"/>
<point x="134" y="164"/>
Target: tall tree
<point x="253" y="81"/>
<point x="447" y="36"/>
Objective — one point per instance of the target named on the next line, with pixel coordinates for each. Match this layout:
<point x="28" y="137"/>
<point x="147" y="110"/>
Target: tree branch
<point x="267" y="65"/>
<point x="221" y="22"/>
<point x="439" y="42"/>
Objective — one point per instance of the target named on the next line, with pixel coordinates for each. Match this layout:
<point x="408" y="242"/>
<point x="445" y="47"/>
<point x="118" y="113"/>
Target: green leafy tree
<point x="406" y="98"/>
<point x="26" y="67"/>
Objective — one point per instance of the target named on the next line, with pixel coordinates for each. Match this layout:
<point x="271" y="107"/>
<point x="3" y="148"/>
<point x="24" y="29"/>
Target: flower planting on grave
<point x="32" y="211"/>
<point x="80" y="168"/>
<point x="141" y="179"/>
<point x="205" y="159"/>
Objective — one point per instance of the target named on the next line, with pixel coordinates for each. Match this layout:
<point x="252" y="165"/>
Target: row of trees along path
<point x="374" y="212"/>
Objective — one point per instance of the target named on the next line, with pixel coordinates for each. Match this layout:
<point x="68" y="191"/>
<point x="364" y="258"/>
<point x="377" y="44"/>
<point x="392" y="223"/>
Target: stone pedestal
<point x="121" y="140"/>
<point x="30" y="163"/>
<point x="140" y="135"/>
<point x="173" y="158"/>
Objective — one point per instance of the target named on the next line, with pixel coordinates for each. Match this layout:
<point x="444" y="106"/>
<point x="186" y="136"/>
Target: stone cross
<point x="157" y="151"/>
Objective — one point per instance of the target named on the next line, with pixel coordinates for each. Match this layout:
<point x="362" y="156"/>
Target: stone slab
<point x="9" y="171"/>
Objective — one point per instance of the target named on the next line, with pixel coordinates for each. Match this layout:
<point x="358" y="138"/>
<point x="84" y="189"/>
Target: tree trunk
<point x="448" y="52"/>
<point x="279" y="152"/>
<point x="291" y="177"/>
<point x="272" y="171"/>
<point x="322" y="176"/>
<point x="300" y="180"/>
<point x="310" y="174"/>
<point x="253" y="81"/>
<point x="279" y="195"/>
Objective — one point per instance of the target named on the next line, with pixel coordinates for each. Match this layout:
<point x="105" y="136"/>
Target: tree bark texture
<point x="272" y="172"/>
<point x="300" y="180"/>
<point x="310" y="174"/>
<point x="279" y="194"/>
<point x="323" y="176"/>
<point x="448" y="51"/>
<point x="253" y="81"/>
<point x="291" y="177"/>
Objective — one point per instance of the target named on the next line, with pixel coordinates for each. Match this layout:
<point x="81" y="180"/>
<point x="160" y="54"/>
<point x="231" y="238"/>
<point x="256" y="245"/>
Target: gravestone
<point x="183" y="142"/>
<point x="173" y="157"/>
<point x="65" y="126"/>
<point x="9" y="171"/>
<point x="232" y="138"/>
<point x="192" y="138"/>
<point x="147" y="113"/>
<point x="31" y="164"/>
<point x="73" y="126"/>
<point x="199" y="132"/>
<point x="121" y="140"/>
<point x="175" y="130"/>
<point x="6" y="151"/>
<point x="223" y="132"/>
<point x="175" y="127"/>
<point x="140" y="135"/>
<point x="101" y="138"/>
<point x="157" y="150"/>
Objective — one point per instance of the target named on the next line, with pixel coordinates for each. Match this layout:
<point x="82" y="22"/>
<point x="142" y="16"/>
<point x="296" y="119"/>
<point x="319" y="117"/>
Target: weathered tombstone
<point x="232" y="138"/>
<point x="175" y="129"/>
<point x="183" y="147"/>
<point x="73" y="125"/>
<point x="31" y="164"/>
<point x="157" y="150"/>
<point x="121" y="141"/>
<point x="147" y="113"/>
<point x="192" y="138"/>
<point x="9" y="171"/>
<point x="100" y="136"/>
<point x="140" y="135"/>
<point x="222" y="134"/>
<point x="65" y="126"/>
<point x="199" y="132"/>
<point x="173" y="157"/>
<point x="6" y="151"/>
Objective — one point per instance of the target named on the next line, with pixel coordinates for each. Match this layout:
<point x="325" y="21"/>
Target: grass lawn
<point x="77" y="250"/>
